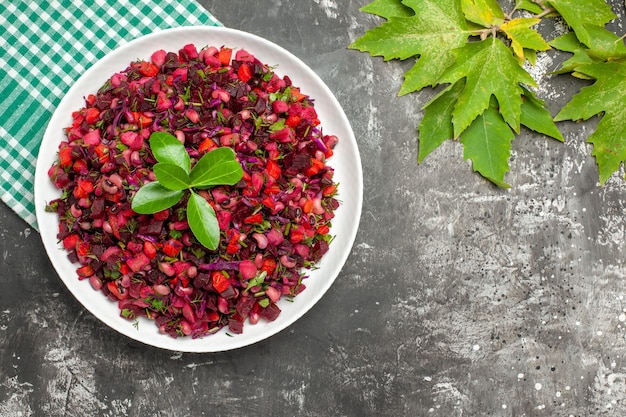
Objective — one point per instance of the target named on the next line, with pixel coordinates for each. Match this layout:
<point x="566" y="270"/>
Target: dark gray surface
<point x="458" y="299"/>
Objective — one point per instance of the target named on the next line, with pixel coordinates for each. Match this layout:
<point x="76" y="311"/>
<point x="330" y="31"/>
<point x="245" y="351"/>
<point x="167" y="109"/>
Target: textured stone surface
<point x="458" y="299"/>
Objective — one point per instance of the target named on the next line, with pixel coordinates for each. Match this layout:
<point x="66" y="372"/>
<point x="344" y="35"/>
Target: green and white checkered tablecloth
<point x="44" y="47"/>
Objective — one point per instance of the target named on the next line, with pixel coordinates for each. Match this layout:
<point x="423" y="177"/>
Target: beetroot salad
<point x="274" y="223"/>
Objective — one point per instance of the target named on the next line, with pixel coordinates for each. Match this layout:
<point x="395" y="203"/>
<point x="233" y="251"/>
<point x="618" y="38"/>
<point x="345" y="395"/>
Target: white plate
<point x="346" y="162"/>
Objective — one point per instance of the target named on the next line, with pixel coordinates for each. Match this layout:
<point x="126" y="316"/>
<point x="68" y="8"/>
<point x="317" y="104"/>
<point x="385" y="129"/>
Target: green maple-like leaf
<point x="605" y="46"/>
<point x="486" y="13"/>
<point x="580" y="17"/>
<point x="523" y="37"/>
<point x="489" y="156"/>
<point x="430" y="35"/>
<point x="606" y="97"/>
<point x="528" y="5"/>
<point x="436" y="126"/>
<point x="609" y="143"/>
<point x="531" y="56"/>
<point x="570" y="43"/>
<point x="487" y="143"/>
<point x="387" y="8"/>
<point x="536" y="117"/>
<point x="461" y="44"/>
<point x="490" y="69"/>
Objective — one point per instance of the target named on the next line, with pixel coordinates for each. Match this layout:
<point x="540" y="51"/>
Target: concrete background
<point x="458" y="299"/>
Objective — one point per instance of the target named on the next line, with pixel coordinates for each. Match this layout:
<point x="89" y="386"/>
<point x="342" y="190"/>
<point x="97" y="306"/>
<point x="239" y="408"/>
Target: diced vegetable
<point x="274" y="223"/>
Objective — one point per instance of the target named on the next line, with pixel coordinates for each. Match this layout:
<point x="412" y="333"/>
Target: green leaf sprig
<point x="175" y="177"/>
<point x="478" y="54"/>
<point x="598" y="55"/>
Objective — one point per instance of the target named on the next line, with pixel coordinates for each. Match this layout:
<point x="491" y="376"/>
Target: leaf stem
<point x="546" y="11"/>
<point x="484" y="33"/>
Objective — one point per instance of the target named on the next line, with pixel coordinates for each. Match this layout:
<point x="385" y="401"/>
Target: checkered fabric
<point x="44" y="47"/>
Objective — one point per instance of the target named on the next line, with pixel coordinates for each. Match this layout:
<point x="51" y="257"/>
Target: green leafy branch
<point x="599" y="55"/>
<point x="477" y="54"/>
<point x="175" y="177"/>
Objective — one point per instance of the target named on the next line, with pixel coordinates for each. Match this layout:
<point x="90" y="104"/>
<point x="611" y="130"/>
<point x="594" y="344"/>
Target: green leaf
<point x="486" y="13"/>
<point x="487" y="143"/>
<point x="171" y="176"/>
<point x="217" y="167"/>
<point x="387" y="8"/>
<point x="570" y="43"/>
<point x="490" y="70"/>
<point x="485" y="100"/>
<point x="528" y="5"/>
<point x="425" y="72"/>
<point x="257" y="280"/>
<point x="202" y="221"/>
<point x="607" y="46"/>
<point x="609" y="143"/>
<point x="153" y="197"/>
<point x="523" y="37"/>
<point x="567" y="42"/>
<point x="606" y="97"/>
<point x="436" y="28"/>
<point x="531" y="56"/>
<point x="581" y="15"/>
<point x="535" y="116"/>
<point x="437" y="24"/>
<point x="436" y="126"/>
<point x="166" y="148"/>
